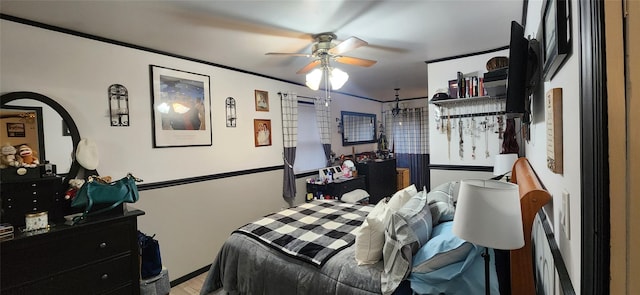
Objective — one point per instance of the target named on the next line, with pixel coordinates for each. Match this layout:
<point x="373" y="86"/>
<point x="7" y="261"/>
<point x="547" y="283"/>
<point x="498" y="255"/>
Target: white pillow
<point x="401" y="197"/>
<point x="354" y="196"/>
<point x="370" y="235"/>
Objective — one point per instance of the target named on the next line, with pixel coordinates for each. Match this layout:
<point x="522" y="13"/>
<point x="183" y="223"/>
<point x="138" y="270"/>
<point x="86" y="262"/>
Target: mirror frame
<point x="73" y="128"/>
<point x="366" y="115"/>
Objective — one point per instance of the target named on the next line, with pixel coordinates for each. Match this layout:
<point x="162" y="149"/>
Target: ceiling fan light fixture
<point x="338" y="77"/>
<point x="314" y="78"/>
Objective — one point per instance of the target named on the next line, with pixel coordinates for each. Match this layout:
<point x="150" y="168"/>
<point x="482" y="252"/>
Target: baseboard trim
<point x="189" y="276"/>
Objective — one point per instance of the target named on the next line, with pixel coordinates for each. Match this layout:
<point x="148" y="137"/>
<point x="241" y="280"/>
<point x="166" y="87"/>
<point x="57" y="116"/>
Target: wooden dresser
<point x="99" y="256"/>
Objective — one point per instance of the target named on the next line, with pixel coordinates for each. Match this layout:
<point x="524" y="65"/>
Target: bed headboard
<point x="532" y="197"/>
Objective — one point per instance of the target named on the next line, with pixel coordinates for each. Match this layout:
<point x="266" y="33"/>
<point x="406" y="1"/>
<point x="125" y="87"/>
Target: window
<point x="309" y="152"/>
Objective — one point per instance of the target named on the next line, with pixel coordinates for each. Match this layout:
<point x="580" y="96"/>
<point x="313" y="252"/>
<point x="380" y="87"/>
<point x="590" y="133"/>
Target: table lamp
<point x="488" y="214"/>
<point x="502" y="165"/>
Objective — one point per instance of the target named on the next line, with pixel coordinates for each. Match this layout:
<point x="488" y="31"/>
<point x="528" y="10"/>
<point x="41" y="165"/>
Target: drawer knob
<point x="103" y="245"/>
<point x="104" y="277"/>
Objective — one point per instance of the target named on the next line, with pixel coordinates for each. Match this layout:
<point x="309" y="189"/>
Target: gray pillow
<point x="407" y="230"/>
<point x="441" y="200"/>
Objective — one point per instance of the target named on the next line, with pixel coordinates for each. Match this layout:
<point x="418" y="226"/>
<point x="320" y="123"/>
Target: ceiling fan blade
<point x="309" y="67"/>
<point x="355" y="61"/>
<point x="347" y="45"/>
<point x="288" y="54"/>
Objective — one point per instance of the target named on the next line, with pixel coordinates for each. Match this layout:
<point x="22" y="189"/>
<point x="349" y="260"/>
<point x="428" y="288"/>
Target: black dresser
<point x="99" y="256"/>
<point x="381" y="178"/>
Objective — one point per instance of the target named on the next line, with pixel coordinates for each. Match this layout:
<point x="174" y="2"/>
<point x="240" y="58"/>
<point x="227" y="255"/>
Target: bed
<point x="317" y="248"/>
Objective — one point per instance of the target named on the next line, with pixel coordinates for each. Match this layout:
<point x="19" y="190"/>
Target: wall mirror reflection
<point x="22" y="126"/>
<point x="45" y="130"/>
<point x="358" y="128"/>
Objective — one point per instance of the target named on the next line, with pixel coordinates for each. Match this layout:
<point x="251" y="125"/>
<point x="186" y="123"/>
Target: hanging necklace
<point x="448" y="129"/>
<point x="473" y="138"/>
<point x="460" y="127"/>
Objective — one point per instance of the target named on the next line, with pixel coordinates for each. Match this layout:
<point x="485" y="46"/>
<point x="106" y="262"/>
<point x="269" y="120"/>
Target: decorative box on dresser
<point x="98" y="256"/>
<point x="381" y="178"/>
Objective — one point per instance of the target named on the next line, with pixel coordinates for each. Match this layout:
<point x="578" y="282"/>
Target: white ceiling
<point x="402" y="34"/>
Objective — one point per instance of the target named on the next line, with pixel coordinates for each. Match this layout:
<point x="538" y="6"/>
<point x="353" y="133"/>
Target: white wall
<point x="191" y="221"/>
<point x="567" y="78"/>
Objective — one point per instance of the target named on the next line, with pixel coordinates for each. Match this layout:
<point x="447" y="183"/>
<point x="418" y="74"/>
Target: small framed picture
<point x="16" y="130"/>
<point x="453" y="88"/>
<point x="262" y="101"/>
<point x="262" y="132"/>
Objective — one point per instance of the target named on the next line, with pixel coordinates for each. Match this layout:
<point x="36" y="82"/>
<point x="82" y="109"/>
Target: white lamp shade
<point x="488" y="214"/>
<point x="338" y="77"/>
<point x="504" y="163"/>
<point x="314" y="78"/>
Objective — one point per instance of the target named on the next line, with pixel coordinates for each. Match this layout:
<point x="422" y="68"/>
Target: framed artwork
<point x="556" y="36"/>
<point x="16" y="130"/>
<point x="181" y="108"/>
<point x="262" y="132"/>
<point x="262" y="101"/>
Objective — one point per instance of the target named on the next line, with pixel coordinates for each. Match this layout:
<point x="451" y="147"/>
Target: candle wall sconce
<point x="118" y="105"/>
<point x="230" y="106"/>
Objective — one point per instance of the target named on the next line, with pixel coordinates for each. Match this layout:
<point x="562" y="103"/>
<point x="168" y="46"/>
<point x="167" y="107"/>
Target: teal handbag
<point x="112" y="194"/>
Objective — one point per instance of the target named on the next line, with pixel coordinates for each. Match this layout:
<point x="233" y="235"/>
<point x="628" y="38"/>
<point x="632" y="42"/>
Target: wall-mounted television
<point x="523" y="64"/>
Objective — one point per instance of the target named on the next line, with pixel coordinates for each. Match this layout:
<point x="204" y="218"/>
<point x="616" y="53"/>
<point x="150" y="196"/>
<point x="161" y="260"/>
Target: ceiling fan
<point x="324" y="49"/>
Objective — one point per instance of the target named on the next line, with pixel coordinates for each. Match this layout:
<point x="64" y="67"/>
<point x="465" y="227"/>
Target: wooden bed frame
<point x="532" y="197"/>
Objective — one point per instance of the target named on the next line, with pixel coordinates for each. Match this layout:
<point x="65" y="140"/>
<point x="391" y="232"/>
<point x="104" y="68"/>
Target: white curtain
<point x="323" y="112"/>
<point x="290" y="135"/>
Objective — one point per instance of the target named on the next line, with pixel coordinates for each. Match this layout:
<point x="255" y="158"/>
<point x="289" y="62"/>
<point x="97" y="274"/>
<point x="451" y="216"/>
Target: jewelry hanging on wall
<point x="461" y="143"/>
<point x="438" y="113"/>
<point x="500" y="126"/>
<point x="448" y="128"/>
<point x="473" y="138"/>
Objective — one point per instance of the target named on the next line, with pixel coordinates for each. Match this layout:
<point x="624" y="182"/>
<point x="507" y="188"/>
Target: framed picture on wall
<point x="262" y="132"/>
<point x="556" y="36"/>
<point x="181" y="108"/>
<point x="262" y="101"/>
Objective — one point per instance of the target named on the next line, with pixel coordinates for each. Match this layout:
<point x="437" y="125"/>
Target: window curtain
<point x="289" y="135"/>
<point x="408" y="136"/>
<point x="323" y="112"/>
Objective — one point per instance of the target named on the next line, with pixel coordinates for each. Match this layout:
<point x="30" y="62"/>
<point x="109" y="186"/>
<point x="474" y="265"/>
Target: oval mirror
<point x="57" y="133"/>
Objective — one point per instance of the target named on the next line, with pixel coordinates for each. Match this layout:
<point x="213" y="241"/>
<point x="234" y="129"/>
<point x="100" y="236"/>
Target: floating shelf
<point x="474" y="99"/>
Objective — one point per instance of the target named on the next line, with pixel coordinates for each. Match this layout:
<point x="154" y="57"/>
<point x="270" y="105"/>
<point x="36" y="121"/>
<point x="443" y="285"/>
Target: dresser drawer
<point x="107" y="277"/>
<point x="65" y="251"/>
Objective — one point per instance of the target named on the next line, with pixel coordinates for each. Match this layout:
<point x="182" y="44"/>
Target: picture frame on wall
<point x="262" y="100"/>
<point x="181" y="108"/>
<point x="556" y="36"/>
<point x="262" y="132"/>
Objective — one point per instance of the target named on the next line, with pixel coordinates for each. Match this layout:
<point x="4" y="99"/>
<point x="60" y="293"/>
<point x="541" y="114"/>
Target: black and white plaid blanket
<point x="311" y="232"/>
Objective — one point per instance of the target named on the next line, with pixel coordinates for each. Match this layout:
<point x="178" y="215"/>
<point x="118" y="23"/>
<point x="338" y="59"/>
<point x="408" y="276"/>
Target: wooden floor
<point x="190" y="287"/>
